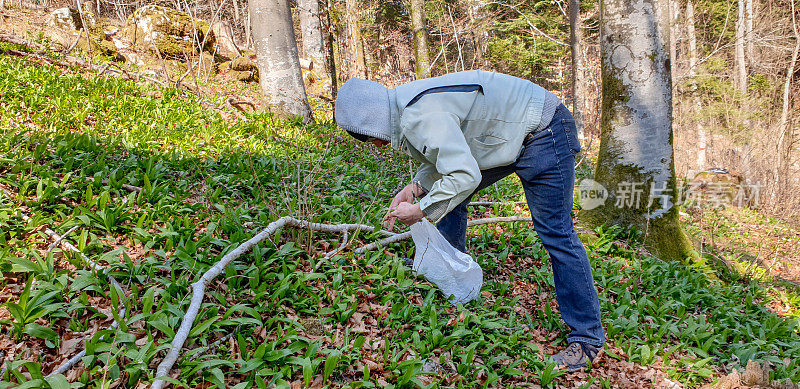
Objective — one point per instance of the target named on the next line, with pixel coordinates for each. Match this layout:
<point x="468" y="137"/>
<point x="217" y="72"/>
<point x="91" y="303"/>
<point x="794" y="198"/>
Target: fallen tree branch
<point x="471" y="223"/>
<point x="61" y="238"/>
<point x="199" y="287"/>
<point x="489" y="203"/>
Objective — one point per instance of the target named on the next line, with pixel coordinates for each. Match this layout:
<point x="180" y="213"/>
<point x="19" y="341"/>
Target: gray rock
<point x="65" y="19"/>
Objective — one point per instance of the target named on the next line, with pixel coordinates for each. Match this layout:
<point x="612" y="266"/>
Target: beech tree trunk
<point x="356" y="41"/>
<point x="422" y="62"/>
<point x="578" y="77"/>
<point x="311" y="28"/>
<point x="741" y="64"/>
<point x="635" y="162"/>
<point x="278" y="64"/>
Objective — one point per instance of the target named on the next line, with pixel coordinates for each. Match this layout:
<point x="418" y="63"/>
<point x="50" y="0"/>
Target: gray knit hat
<point x="362" y="107"/>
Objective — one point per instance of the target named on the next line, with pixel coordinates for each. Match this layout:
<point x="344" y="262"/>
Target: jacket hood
<point x="365" y="107"/>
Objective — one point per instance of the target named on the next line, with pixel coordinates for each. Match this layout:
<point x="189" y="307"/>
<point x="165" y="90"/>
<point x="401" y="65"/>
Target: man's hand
<point x="406" y="195"/>
<point x="406" y="213"/>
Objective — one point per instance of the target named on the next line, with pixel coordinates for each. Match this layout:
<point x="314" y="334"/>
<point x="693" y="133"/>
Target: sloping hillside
<point x="156" y="185"/>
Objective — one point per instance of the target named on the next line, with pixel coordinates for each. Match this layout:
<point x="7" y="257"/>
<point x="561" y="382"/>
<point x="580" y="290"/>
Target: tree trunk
<point x="674" y="9"/>
<point x="332" y="49"/>
<point x="311" y="27"/>
<point x="422" y="62"/>
<point x="748" y="30"/>
<point x="248" y="43"/>
<point x="356" y="41"/>
<point x="578" y="76"/>
<point x="701" y="131"/>
<point x="741" y="64"/>
<point x="278" y="64"/>
<point x="635" y="161"/>
<point x="783" y="124"/>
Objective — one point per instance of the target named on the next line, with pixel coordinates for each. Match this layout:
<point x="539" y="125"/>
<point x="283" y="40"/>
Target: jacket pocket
<point x="489" y="151"/>
<point x="490" y="140"/>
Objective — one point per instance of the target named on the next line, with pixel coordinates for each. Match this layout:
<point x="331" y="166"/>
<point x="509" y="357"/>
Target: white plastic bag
<point x="454" y="272"/>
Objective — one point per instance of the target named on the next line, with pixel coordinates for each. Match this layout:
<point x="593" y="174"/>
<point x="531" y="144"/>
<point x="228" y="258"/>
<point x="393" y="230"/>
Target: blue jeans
<point x="546" y="168"/>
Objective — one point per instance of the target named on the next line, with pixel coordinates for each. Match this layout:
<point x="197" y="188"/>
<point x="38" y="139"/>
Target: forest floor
<point x="212" y="176"/>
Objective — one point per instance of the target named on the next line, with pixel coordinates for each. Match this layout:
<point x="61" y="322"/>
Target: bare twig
<point x="471" y="223"/>
<point x="85" y="28"/>
<point x="61" y="238"/>
<point x="488" y="203"/>
<point x="75" y="43"/>
<point x="213" y="345"/>
<point x="188" y="71"/>
<point x="103" y="70"/>
<point x="533" y="28"/>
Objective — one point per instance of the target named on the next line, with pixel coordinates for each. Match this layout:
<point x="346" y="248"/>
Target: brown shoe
<point x="575" y="356"/>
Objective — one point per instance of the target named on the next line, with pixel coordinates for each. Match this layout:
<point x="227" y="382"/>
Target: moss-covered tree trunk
<point x="422" y="62"/>
<point x="635" y="162"/>
<point x="278" y="64"/>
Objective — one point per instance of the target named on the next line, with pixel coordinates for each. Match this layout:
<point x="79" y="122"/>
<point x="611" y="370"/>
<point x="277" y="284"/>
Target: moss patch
<point x="174" y="33"/>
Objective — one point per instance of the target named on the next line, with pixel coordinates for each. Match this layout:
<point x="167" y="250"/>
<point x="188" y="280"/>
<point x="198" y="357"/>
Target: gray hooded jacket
<point x="455" y="126"/>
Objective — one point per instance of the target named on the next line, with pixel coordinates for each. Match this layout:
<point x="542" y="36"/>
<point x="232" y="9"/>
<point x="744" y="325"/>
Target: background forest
<point x="143" y="143"/>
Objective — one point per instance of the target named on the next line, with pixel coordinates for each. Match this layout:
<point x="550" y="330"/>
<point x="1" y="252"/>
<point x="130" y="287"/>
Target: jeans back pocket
<point x="571" y="130"/>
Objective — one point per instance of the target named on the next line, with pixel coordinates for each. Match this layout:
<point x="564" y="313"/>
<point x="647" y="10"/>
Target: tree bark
<point x="692" y="52"/>
<point x="422" y="62"/>
<point x="783" y="125"/>
<point x="356" y="41"/>
<point x="333" y="42"/>
<point x="311" y="28"/>
<point x="578" y="76"/>
<point x="748" y="31"/>
<point x="248" y="40"/>
<point x="236" y="15"/>
<point x="741" y="64"/>
<point x="635" y="161"/>
<point x="278" y="64"/>
<point x="674" y="9"/>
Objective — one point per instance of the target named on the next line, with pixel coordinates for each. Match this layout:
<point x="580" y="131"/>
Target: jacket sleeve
<point x="433" y="127"/>
<point x="426" y="176"/>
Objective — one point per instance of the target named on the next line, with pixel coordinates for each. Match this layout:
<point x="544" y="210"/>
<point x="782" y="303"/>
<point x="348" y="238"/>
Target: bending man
<point x="468" y="130"/>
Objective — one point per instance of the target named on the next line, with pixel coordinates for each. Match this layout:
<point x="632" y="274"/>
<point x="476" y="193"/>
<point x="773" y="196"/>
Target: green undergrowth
<point x="68" y="144"/>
